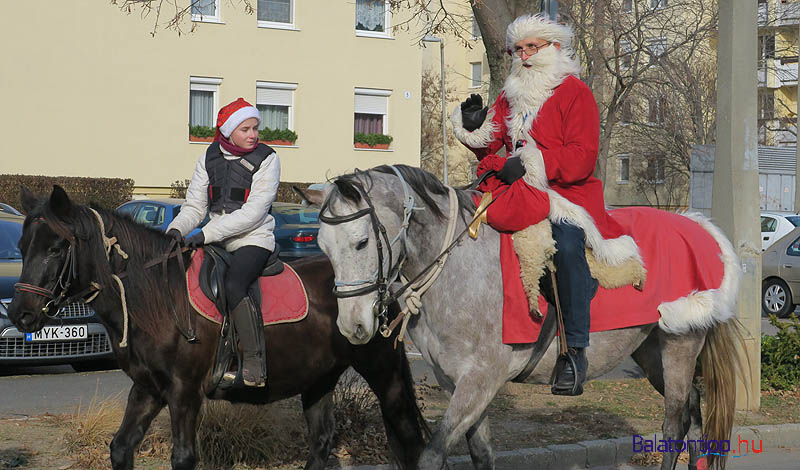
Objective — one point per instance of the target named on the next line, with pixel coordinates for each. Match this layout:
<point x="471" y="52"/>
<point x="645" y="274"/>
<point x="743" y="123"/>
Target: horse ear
<point x="59" y="202"/>
<point x="314" y="197"/>
<point x="29" y="200"/>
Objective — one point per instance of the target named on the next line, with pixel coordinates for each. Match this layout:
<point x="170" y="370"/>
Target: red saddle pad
<point x="283" y="297"/>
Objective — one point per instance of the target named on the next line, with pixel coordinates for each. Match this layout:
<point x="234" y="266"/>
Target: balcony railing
<point x="786" y="73"/>
<point x="787" y="14"/>
<point x="763" y="14"/>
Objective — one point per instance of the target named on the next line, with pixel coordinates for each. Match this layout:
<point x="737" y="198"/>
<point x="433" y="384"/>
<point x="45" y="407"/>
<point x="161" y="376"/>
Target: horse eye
<point x="362" y="244"/>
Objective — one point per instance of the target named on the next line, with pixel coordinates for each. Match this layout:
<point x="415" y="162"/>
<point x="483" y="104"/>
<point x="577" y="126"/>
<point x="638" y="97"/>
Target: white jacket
<point x="249" y="225"/>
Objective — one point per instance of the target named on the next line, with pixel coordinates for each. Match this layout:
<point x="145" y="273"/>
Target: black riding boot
<point x="570" y="372"/>
<point x="247" y="321"/>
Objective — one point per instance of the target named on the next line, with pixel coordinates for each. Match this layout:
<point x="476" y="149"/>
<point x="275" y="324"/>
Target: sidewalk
<point x="780" y="451"/>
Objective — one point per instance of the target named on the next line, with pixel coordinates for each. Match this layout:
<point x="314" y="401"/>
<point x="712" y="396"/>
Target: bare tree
<point x="170" y="14"/>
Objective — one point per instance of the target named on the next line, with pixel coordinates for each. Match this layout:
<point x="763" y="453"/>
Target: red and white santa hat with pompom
<point x="231" y="115"/>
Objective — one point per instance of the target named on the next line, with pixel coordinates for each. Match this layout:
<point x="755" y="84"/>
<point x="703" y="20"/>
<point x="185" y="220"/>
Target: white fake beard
<point x="527" y="88"/>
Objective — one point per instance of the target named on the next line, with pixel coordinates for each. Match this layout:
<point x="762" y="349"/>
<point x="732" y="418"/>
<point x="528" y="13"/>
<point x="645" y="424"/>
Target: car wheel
<point x="776" y="298"/>
<point x="95" y="365"/>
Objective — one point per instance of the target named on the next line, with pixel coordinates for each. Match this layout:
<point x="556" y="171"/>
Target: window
<point x="626" y="113"/>
<point x="768" y="224"/>
<point x="658" y="4"/>
<point x="371" y="111"/>
<point x="372" y="18"/>
<point x="766" y="47"/>
<point x="151" y="215"/>
<point x="766" y="105"/>
<point x="276" y="13"/>
<point x="657" y="48"/>
<point x="275" y="102"/>
<point x="623" y="169"/>
<point x="477" y="70"/>
<point x="206" y="10"/>
<point x="627" y="6"/>
<point x="476" y="30"/>
<point x="203" y="101"/>
<point x="655" y="169"/>
<point x="655" y="110"/>
<point x="625" y="58"/>
<point x="794" y="248"/>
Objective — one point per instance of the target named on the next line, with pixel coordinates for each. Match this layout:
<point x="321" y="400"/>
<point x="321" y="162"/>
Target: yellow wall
<point x="86" y="90"/>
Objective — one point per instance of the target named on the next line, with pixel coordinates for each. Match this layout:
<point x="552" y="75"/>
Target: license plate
<point x="58" y="333"/>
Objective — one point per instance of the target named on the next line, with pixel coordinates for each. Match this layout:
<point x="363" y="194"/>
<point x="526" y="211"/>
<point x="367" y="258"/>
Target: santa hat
<point x="538" y="26"/>
<point x="230" y="116"/>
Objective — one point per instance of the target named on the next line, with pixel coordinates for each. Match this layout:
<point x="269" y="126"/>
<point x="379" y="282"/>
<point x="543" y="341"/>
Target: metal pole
<point x="735" y="198"/>
<point x="444" y="117"/>
<point x="796" y="208"/>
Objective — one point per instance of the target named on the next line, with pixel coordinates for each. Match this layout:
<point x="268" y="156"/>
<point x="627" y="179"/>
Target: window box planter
<point x="276" y="142"/>
<point x="362" y="145"/>
<point x="194" y="138"/>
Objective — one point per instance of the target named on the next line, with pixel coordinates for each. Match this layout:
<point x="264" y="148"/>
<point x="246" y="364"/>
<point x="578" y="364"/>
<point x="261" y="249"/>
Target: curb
<point x="604" y="452"/>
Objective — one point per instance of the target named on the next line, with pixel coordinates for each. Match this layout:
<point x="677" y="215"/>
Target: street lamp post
<point x="444" y="106"/>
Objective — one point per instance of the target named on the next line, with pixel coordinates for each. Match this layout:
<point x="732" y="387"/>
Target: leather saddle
<point x="215" y="268"/>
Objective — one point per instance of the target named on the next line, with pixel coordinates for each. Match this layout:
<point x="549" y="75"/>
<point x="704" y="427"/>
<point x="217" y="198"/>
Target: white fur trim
<point x="704" y="309"/>
<point x="538" y="26"/>
<point x="480" y="137"/>
<point x="238" y="117"/>
<point x="612" y="251"/>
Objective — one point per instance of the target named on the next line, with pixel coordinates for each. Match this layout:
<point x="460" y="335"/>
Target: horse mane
<point x="146" y="295"/>
<point x="421" y="182"/>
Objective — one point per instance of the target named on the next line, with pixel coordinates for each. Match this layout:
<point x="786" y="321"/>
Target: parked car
<point x="76" y="338"/>
<point x="155" y="213"/>
<point x="774" y="226"/>
<point x="296" y="226"/>
<point x="780" y="274"/>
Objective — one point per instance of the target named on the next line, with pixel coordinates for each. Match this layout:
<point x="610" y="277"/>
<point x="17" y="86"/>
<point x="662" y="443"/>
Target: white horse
<point x="458" y="330"/>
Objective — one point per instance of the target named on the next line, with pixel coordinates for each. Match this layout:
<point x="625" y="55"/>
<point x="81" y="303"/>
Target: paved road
<point x="56" y="389"/>
<point x="773" y="459"/>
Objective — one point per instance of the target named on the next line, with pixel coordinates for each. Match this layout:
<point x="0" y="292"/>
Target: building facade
<point x="95" y="94"/>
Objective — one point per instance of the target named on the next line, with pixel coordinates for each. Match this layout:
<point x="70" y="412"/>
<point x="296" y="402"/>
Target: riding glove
<point x="196" y="241"/>
<point x="473" y="113"/>
<point x="176" y="234"/>
<point x="512" y="170"/>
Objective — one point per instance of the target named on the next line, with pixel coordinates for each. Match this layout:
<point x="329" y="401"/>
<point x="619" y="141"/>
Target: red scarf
<point x="230" y="147"/>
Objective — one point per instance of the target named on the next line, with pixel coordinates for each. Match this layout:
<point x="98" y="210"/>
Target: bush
<point x="268" y="134"/>
<point x="107" y="193"/>
<point x="372" y="139"/>
<point x="780" y="356"/>
<point x="201" y="131"/>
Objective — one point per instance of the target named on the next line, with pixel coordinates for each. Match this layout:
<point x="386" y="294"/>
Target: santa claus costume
<point x="548" y="118"/>
<point x="236" y="185"/>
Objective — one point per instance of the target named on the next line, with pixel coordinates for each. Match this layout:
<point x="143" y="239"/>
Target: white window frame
<point x="474" y="27"/>
<point x="386" y="34"/>
<point x="628" y="10"/>
<point x="279" y="86"/>
<point x="660" y="42"/>
<point x="206" y="84"/>
<point x="375" y="92"/>
<point x="217" y="18"/>
<point x="656" y="158"/>
<point x="472" y="74"/>
<point x="620" y="158"/>
<point x="659" y="4"/>
<point x="625" y="48"/>
<point x="278" y="25"/>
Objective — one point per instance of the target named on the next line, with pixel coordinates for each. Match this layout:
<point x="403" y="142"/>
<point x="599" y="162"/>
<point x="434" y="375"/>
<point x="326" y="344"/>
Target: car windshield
<point x="795" y="220"/>
<point x="10" y="232"/>
<point x="296" y="214"/>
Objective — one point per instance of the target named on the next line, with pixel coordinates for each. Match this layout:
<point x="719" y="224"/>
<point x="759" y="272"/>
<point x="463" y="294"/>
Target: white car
<point x="774" y="226"/>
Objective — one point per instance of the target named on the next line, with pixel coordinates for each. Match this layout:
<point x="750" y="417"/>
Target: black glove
<point x="196" y="241"/>
<point x="473" y="113"/>
<point x="176" y="234"/>
<point x="512" y="171"/>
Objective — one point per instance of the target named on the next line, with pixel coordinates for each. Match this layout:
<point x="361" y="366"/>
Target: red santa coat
<point x="560" y="155"/>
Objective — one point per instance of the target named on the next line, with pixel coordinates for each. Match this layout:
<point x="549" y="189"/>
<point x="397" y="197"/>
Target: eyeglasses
<point x="529" y="49"/>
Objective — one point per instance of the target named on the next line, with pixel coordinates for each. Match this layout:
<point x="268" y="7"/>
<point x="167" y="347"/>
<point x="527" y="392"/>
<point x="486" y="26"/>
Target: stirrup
<point x="577" y="386"/>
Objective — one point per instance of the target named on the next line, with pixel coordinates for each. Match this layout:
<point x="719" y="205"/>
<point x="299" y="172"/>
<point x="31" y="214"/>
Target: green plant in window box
<point x="201" y="133"/>
<point x="277" y="136"/>
<point x="372" y="141"/>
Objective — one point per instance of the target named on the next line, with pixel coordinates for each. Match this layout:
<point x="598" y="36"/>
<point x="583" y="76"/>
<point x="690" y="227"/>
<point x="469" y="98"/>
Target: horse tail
<point x="721" y="361"/>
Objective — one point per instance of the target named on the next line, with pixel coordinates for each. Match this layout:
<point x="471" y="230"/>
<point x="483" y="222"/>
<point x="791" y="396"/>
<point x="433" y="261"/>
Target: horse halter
<point x="379" y="282"/>
<point x="57" y="297"/>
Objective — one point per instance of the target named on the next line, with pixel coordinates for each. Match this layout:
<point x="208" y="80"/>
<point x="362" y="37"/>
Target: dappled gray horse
<point x="383" y="226"/>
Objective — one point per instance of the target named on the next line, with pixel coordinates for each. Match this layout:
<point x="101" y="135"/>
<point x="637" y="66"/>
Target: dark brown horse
<point x="304" y="358"/>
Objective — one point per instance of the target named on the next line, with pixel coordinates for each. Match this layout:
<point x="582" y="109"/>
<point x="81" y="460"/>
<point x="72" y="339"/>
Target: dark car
<point x="77" y="337"/>
<point x="296" y="229"/>
<point x="155" y="213"/>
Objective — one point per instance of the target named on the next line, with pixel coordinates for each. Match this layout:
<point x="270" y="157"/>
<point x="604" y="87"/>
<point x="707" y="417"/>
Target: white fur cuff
<point x="533" y="160"/>
<point x="480" y="137"/>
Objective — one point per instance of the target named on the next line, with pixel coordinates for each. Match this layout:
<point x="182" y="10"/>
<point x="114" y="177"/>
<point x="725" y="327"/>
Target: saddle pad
<point x="283" y="296"/>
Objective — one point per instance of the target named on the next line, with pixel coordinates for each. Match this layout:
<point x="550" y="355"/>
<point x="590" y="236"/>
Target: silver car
<point x="781" y="275"/>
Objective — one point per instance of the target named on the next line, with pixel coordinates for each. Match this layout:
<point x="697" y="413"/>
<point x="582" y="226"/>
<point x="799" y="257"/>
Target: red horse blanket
<point x="681" y="257"/>
<point x="283" y="297"/>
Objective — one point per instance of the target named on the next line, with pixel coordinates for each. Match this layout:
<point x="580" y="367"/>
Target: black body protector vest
<point x="229" y="181"/>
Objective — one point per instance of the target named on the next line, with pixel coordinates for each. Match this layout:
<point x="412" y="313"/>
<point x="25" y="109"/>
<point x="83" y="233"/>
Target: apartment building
<point x="89" y="91"/>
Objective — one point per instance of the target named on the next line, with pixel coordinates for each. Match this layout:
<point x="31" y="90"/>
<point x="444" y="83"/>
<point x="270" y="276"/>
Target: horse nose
<point x="23" y="319"/>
